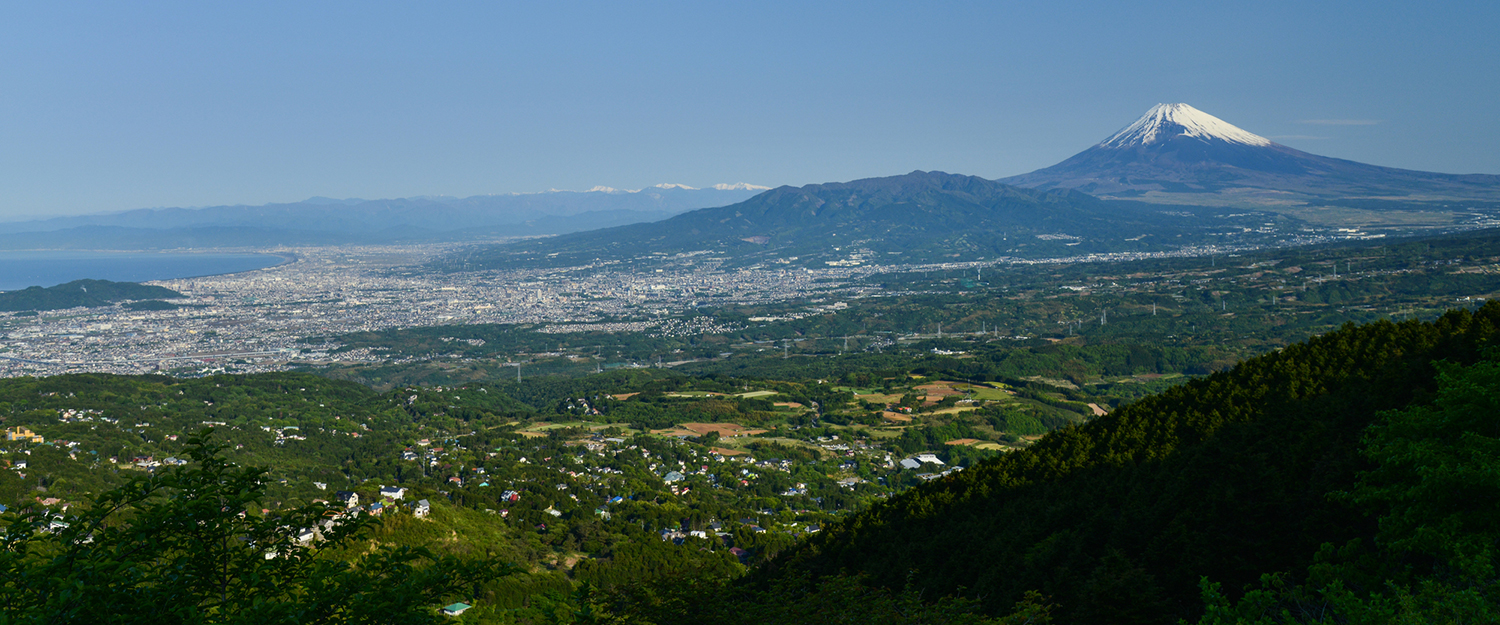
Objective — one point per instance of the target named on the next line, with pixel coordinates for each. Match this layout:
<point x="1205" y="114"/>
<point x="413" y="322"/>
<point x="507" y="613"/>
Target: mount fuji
<point x="1176" y="154"/>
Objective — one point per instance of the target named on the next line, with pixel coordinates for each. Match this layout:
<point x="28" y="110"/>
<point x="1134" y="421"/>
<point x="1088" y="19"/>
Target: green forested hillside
<point x="1304" y="480"/>
<point x="1229" y="478"/>
<point x="81" y="293"/>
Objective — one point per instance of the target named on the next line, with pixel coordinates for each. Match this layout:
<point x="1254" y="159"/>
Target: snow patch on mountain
<point x="1167" y="121"/>
<point x="740" y="186"/>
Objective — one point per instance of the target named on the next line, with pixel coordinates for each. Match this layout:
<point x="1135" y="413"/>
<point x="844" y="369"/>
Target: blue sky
<point x="111" y="106"/>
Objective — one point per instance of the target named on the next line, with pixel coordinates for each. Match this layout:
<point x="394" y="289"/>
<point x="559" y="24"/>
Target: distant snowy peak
<point x="1168" y="121"/>
<point x="740" y="186"/>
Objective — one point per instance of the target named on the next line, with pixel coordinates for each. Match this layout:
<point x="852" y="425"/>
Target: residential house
<point x="350" y="499"/>
<point x="392" y="492"/>
<point x="421" y="509"/>
<point x="455" y="609"/>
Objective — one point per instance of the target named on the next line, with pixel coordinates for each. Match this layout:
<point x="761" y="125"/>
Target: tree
<point x="190" y="545"/>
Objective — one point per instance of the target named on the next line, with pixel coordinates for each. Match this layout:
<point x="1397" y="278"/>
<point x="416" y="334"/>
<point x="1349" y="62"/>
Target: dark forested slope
<point x="1117" y="520"/>
<point x="81" y="293"/>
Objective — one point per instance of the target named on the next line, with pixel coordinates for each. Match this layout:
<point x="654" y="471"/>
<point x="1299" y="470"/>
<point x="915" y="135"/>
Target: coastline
<point x="287" y="258"/>
<point x="41" y="267"/>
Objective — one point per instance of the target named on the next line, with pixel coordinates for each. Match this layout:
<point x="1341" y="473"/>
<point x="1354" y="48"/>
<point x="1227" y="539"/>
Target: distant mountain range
<point x="1177" y="154"/>
<point x="921" y="216"/>
<point x="1108" y="198"/>
<point x="328" y="221"/>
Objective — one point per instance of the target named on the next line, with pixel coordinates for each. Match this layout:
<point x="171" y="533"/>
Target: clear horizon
<point x="179" y="104"/>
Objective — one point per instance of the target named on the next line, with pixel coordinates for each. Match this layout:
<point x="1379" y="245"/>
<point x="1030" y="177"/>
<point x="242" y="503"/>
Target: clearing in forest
<point x="725" y="430"/>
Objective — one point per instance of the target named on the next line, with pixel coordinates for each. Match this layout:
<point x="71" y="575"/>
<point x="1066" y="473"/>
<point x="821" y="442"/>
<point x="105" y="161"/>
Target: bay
<point x="19" y="270"/>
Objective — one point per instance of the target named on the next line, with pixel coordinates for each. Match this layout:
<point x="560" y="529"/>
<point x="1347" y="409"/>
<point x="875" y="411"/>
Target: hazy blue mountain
<point x="1180" y="155"/>
<point x="921" y="215"/>
<point x="329" y="221"/>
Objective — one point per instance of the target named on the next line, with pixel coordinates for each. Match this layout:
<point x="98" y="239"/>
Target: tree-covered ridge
<point x="81" y="293"/>
<point x="1117" y="519"/>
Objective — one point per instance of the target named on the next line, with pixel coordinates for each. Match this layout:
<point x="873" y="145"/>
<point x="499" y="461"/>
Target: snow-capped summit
<point x="740" y="186"/>
<point x="1167" y="121"/>
<point x="1177" y="154"/>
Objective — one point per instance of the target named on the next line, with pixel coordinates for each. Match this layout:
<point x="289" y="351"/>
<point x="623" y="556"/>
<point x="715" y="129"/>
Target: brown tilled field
<point x="725" y="430"/>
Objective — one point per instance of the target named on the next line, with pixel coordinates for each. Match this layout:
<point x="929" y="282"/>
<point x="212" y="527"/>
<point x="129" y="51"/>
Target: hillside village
<point x="777" y="466"/>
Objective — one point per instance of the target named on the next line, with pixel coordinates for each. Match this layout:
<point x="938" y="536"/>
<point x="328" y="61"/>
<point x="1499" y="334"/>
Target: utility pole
<point x="940" y="330"/>
<point x="518" y="371"/>
<point x="1103" y="316"/>
<point x="1153" y="309"/>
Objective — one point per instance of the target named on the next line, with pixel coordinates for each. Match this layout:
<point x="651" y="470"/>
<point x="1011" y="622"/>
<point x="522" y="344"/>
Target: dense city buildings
<point x="262" y="320"/>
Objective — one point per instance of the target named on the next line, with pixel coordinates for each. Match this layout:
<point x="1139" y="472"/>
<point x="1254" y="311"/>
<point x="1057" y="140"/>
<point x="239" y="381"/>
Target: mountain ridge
<point x="919" y="215"/>
<point x="331" y="221"/>
<point x="358" y="215"/>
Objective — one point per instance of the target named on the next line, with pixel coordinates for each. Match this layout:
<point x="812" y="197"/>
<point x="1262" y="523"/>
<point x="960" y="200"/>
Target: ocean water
<point x="19" y="270"/>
